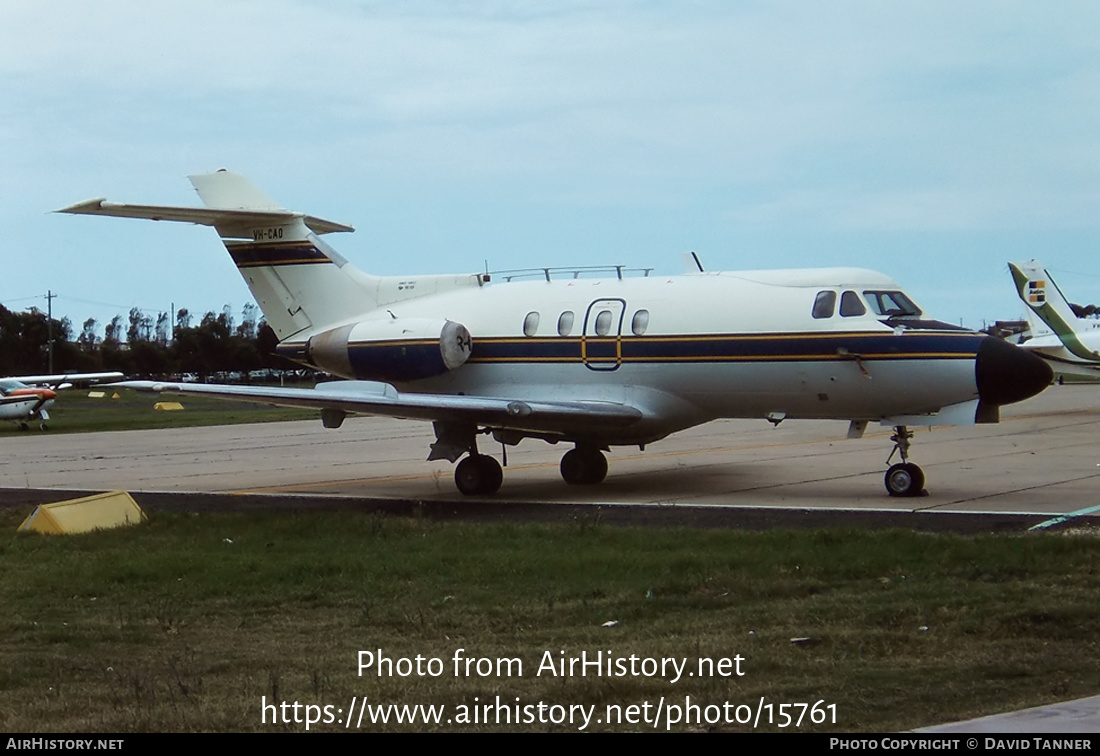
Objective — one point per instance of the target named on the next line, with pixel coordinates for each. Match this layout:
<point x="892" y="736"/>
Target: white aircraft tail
<point x="302" y="285"/>
<point x="300" y="282"/>
<point x="1049" y="312"/>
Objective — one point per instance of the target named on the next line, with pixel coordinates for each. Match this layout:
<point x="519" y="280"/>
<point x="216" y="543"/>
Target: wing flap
<point x="372" y="398"/>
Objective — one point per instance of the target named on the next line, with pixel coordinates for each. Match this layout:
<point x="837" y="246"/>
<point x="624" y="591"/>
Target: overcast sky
<point x="933" y="141"/>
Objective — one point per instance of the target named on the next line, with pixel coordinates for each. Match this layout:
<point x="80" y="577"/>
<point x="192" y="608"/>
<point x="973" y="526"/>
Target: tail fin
<point x="300" y="283"/>
<point x="1049" y="311"/>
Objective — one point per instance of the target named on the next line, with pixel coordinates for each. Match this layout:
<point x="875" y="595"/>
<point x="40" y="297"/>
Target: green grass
<point x="184" y="623"/>
<point x="75" y="412"/>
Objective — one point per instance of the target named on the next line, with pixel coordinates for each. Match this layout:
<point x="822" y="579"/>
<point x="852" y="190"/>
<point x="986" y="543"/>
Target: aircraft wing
<point x="38" y="380"/>
<point x="375" y="398"/>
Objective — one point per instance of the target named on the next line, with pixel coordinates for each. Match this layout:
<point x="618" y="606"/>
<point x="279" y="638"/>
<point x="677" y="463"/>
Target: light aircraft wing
<point x="376" y="398"/>
<point x="53" y="380"/>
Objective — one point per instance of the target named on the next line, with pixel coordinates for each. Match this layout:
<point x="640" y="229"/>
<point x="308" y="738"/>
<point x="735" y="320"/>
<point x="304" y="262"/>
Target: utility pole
<point x="49" y="328"/>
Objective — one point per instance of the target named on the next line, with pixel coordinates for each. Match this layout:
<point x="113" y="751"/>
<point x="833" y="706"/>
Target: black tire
<point x="494" y="475"/>
<point x="904" y="479"/>
<point x="583" y="467"/>
<point x="478" y="475"/>
<point x="597" y="467"/>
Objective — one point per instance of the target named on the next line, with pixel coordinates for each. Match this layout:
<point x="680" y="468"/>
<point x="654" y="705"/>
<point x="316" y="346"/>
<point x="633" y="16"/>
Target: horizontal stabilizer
<point x="230" y="223"/>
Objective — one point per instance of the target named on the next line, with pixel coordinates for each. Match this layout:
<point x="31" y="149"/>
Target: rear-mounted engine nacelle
<point x="399" y="349"/>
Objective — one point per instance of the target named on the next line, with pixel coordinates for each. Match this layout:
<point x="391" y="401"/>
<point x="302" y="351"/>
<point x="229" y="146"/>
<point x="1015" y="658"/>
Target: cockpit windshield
<point x="7" y="385"/>
<point x="891" y="304"/>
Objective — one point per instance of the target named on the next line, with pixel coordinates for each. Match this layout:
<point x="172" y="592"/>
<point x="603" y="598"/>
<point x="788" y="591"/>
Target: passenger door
<point x="601" y="342"/>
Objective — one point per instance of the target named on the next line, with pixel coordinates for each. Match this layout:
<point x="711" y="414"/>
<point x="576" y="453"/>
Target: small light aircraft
<point x="596" y="363"/>
<point x="25" y="398"/>
<point x="1071" y="344"/>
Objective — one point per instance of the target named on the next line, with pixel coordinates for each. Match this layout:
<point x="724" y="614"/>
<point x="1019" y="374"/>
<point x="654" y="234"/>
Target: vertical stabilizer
<point x="300" y="283"/>
<point x="1032" y="288"/>
<point x="1049" y="311"/>
<point x="231" y="191"/>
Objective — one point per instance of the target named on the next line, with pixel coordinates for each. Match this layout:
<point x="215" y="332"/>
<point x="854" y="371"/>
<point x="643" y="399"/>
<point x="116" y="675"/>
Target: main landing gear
<point x="583" y="466"/>
<point x="481" y="475"/>
<point x="478" y="475"/>
<point x="904" y="478"/>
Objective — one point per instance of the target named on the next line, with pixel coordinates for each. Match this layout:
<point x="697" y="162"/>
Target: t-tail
<point x="299" y="281"/>
<point x="1049" y="312"/>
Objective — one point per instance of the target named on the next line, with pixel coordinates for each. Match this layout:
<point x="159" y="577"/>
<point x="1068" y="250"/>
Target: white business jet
<point x="26" y="398"/>
<point x="594" y="363"/>
<point x="1071" y="344"/>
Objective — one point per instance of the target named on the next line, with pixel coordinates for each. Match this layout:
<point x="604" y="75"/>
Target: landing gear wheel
<point x="905" y="479"/>
<point x="583" y="467"/>
<point x="478" y="475"/>
<point x="494" y="475"/>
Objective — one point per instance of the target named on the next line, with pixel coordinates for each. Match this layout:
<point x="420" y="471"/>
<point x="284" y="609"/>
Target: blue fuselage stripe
<point x="251" y="255"/>
<point x="730" y="348"/>
<point x="712" y="348"/>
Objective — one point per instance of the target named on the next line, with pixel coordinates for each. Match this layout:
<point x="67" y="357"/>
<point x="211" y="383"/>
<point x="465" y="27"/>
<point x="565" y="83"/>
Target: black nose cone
<point x="1006" y="373"/>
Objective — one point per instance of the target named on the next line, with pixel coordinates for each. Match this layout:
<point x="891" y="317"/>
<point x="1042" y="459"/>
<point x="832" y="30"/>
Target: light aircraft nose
<point x="1006" y="374"/>
<point x="41" y="393"/>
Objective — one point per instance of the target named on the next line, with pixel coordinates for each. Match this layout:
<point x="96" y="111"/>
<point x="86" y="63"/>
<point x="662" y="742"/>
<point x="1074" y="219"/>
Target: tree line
<point x="141" y="345"/>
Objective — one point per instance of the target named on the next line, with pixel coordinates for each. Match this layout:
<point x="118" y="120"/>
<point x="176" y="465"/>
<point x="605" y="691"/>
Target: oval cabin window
<point x="603" y="323"/>
<point x="565" y="323"/>
<point x="531" y="324"/>
<point x="640" y="322"/>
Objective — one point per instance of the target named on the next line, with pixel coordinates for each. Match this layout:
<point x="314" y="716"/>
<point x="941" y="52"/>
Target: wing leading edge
<point x="373" y="398"/>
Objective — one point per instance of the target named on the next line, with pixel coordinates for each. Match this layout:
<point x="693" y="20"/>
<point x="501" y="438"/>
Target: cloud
<point x="638" y="119"/>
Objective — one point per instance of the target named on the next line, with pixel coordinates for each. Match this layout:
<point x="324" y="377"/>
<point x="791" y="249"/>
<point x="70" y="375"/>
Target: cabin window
<point x="603" y="323"/>
<point x="640" y="322"/>
<point x="824" y="304"/>
<point x="851" y="305"/>
<point x="891" y="304"/>
<point x="531" y="324"/>
<point x="565" y="323"/>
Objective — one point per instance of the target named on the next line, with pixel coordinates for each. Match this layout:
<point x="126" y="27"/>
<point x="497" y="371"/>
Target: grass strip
<point x="187" y="622"/>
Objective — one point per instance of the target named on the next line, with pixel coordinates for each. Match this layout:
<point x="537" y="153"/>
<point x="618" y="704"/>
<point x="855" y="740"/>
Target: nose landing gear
<point x="904" y="478"/>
